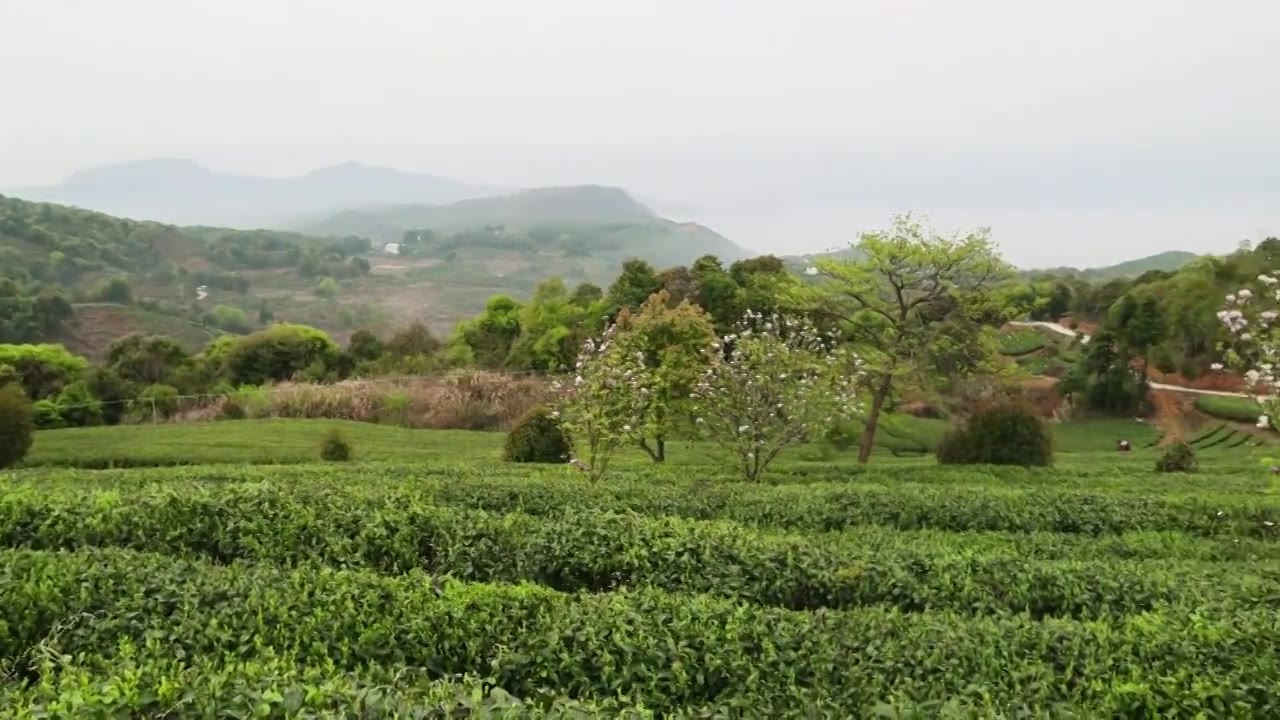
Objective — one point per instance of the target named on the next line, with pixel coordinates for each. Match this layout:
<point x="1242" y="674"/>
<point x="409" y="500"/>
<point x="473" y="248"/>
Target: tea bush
<point x="1004" y="434"/>
<point x="335" y="448"/>
<point x="17" y="425"/>
<point x="537" y="438"/>
<point x="668" y="651"/>
<point x="1178" y="457"/>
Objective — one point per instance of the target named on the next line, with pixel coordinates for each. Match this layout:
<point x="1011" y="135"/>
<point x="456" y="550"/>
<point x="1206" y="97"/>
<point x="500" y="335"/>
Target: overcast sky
<point x="1083" y="132"/>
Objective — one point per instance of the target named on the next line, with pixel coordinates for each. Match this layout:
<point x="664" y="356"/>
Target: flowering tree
<point x="673" y="341"/>
<point x="600" y="407"/>
<point x="1253" y="346"/>
<point x="774" y="383"/>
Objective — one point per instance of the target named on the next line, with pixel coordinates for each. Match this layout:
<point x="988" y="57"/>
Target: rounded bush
<point x="1003" y="434"/>
<point x="231" y="410"/>
<point x="1178" y="457"/>
<point x="17" y="426"/>
<point x="537" y="438"/>
<point x="335" y="447"/>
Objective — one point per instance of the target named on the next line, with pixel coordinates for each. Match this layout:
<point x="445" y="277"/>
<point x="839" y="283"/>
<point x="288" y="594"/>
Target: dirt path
<point x="1068" y="332"/>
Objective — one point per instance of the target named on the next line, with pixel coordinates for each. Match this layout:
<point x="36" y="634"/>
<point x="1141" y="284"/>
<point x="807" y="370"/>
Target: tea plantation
<point x="429" y="579"/>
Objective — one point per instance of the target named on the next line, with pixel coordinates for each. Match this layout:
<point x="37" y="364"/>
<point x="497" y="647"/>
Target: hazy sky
<point x="1082" y="132"/>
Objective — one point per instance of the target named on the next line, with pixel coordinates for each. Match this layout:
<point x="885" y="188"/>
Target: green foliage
<point x="1021" y="341"/>
<point x="327" y="288"/>
<point x="364" y="346"/>
<point x="28" y="314"/>
<point x="78" y="407"/>
<point x="916" y="303"/>
<point x="1241" y="410"/>
<point x="303" y="580"/>
<point x="1004" y="434"/>
<point x="487" y="339"/>
<point x="43" y="370"/>
<point x="278" y="353"/>
<point x="634" y="285"/>
<point x="673" y="345"/>
<point x="602" y="406"/>
<point x="157" y="402"/>
<point x="774" y="384"/>
<point x="334" y="447"/>
<point x="1105" y="378"/>
<point x="537" y="438"/>
<point x="1177" y="458"/>
<point x="17" y="426"/>
<point x="146" y="360"/>
<point x="116" y="290"/>
<point x="552" y="329"/>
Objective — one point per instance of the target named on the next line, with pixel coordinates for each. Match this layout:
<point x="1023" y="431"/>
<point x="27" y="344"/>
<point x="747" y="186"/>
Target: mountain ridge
<point x="181" y="191"/>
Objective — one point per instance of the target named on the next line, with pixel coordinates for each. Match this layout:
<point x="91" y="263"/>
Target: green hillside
<point x="57" y="262"/>
<point x="574" y="222"/>
<point x="1170" y="261"/>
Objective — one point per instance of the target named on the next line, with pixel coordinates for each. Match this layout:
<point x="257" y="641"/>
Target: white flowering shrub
<point x="599" y="406"/>
<point x="773" y="384"/>
<point x="1253" y="346"/>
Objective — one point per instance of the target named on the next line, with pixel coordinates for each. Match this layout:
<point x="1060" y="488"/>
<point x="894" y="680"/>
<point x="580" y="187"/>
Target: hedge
<point x="601" y="551"/>
<point x="136" y="682"/>
<point x="668" y="652"/>
<point x="1093" y="507"/>
<point x="1236" y="409"/>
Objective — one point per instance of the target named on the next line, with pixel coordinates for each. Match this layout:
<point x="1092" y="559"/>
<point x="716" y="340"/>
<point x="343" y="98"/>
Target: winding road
<point x="1062" y="330"/>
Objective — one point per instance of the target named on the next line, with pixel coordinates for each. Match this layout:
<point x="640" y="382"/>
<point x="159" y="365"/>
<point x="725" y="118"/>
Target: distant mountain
<point x="583" y="220"/>
<point x="186" y="193"/>
<point x="1166" y="262"/>
<point x="116" y="276"/>
<point x="527" y="208"/>
<point x="1169" y="261"/>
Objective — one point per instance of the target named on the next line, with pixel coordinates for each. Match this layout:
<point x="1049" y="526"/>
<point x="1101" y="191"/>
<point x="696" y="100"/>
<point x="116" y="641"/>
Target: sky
<point x="1081" y="133"/>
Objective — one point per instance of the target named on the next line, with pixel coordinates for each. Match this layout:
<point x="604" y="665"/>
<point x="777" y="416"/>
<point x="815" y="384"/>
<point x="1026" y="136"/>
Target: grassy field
<point x="1241" y="410"/>
<point x="242" y="577"/>
<point x="901" y="439"/>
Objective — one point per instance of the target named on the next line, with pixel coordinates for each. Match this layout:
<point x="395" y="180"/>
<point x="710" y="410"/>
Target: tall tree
<point x="906" y="290"/>
<point x="486" y="339"/>
<point x="674" y="343"/>
<point x="548" y="321"/>
<point x="634" y="285"/>
<point x="718" y="293"/>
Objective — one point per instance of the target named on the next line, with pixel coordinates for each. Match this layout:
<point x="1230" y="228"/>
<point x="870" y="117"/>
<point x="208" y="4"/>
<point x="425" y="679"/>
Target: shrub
<point x="1178" y="457"/>
<point x="1003" y="434"/>
<point x="157" y="402"/>
<point x="537" y="438"/>
<point x="278" y="353"/>
<point x="231" y="410"/>
<point x="17" y="426"/>
<point x="78" y="407"/>
<point x="335" y="448"/>
<point x="47" y="415"/>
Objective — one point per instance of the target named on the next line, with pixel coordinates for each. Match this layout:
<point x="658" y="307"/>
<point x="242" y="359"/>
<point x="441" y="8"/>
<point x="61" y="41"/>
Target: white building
<point x="391" y="248"/>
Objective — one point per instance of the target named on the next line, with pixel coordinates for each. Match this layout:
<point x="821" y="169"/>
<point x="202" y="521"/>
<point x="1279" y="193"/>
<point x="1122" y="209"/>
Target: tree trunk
<point x="658" y="453"/>
<point x="878" y="396"/>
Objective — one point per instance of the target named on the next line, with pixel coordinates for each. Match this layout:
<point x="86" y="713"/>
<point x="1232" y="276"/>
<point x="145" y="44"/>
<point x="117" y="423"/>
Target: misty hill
<point x="186" y="193"/>
<point x="1169" y="261"/>
<point x="527" y="208"/>
<point x="82" y="277"/>
<point x="576" y="221"/>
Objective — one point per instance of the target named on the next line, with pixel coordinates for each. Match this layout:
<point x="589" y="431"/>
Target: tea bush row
<point x="61" y="513"/>
<point x="822" y="507"/>
<point x="600" y="551"/>
<point x="148" y="682"/>
<point x="665" y="651"/>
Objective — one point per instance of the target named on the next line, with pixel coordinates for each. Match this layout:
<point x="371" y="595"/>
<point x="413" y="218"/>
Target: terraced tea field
<point x="440" y="582"/>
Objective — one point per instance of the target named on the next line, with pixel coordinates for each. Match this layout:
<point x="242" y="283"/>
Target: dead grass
<point x="472" y="400"/>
